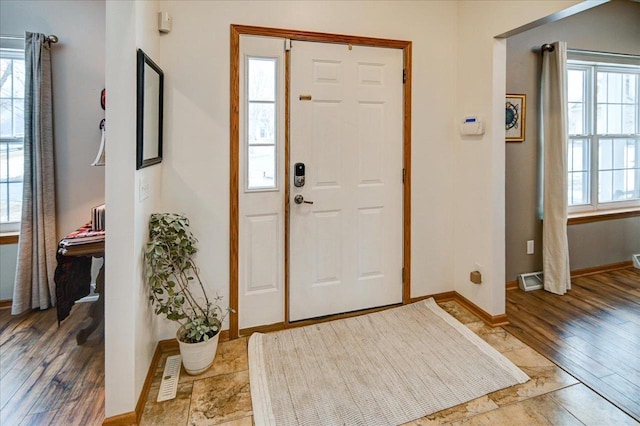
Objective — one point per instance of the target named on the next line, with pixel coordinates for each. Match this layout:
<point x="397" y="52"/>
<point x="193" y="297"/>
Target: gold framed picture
<point x="515" y="117"/>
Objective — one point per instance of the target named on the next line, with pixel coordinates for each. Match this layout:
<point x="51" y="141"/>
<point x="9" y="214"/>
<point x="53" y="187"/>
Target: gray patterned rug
<point x="385" y="368"/>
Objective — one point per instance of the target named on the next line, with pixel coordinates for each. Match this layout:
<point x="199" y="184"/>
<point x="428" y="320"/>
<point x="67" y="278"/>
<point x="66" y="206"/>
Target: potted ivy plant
<point x="177" y="292"/>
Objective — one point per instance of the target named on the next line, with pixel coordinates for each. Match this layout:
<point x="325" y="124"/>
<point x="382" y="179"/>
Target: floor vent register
<point x="531" y="281"/>
<point x="170" y="378"/>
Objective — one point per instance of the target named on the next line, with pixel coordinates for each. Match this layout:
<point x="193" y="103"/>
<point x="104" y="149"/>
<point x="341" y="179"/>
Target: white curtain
<point x="34" y="287"/>
<point x="553" y="120"/>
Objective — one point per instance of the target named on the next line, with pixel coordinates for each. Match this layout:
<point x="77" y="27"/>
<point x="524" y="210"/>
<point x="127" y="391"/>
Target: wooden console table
<point x="73" y="276"/>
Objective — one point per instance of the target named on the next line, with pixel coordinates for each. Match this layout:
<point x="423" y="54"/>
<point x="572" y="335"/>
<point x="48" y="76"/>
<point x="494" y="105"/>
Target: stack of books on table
<point x="84" y="241"/>
<point x="97" y="218"/>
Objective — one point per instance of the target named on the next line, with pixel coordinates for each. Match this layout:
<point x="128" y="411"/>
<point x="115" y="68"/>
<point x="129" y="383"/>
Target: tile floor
<point x="221" y="395"/>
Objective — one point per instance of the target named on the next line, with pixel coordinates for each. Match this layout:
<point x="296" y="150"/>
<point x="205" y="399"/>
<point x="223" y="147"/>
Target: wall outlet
<point x="530" y="247"/>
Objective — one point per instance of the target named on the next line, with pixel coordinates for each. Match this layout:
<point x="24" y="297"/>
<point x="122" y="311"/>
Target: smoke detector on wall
<point x="164" y="22"/>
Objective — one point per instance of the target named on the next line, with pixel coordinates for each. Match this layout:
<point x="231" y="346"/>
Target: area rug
<point x="384" y="368"/>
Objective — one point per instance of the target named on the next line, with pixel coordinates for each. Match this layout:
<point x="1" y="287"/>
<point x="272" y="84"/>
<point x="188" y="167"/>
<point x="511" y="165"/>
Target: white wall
<point x="458" y="185"/>
<point x="480" y="165"/>
<point x="78" y="77"/>
<point x="129" y="336"/>
<point x="196" y="167"/>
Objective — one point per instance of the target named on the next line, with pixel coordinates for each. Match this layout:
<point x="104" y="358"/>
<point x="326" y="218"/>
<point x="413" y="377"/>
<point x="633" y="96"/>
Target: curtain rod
<point x="547" y="47"/>
<point x="50" y="38"/>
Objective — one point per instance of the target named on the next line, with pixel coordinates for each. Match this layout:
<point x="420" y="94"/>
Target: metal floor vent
<point x="636" y="260"/>
<point x="531" y="281"/>
<point x="91" y="297"/>
<point x="170" y="377"/>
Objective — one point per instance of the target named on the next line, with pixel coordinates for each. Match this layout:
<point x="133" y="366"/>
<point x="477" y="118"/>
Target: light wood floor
<point x="45" y="377"/>
<point x="592" y="332"/>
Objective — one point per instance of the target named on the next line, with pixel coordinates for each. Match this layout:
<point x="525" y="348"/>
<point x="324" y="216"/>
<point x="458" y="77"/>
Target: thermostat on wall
<point x="472" y="126"/>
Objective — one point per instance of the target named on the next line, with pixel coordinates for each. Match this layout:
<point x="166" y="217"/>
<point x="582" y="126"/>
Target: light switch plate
<point x="143" y="189"/>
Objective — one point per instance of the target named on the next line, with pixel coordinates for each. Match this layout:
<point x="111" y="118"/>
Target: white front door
<point x="345" y="249"/>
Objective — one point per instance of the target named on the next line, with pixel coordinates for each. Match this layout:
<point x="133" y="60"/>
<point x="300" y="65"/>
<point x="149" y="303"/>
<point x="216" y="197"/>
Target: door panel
<point x="346" y="126"/>
<point x="370" y="144"/>
<point x="326" y="152"/>
<point x="326" y="248"/>
<point x="261" y="271"/>
<point x="263" y="260"/>
<point x="370" y="221"/>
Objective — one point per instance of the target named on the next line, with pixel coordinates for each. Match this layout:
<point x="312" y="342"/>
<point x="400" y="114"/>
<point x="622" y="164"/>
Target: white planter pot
<point x="198" y="357"/>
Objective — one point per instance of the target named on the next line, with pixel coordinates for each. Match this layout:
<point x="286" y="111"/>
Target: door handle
<point x="299" y="199"/>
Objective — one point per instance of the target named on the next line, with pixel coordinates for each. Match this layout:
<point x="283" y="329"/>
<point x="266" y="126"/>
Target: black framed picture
<point x="150" y="91"/>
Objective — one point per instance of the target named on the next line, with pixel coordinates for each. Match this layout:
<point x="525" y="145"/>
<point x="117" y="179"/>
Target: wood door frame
<point x="234" y="139"/>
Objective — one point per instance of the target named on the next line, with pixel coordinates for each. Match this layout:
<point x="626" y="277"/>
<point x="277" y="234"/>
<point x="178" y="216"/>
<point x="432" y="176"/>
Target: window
<point x="11" y="137"/>
<point x="261" y="123"/>
<point x="604" y="134"/>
